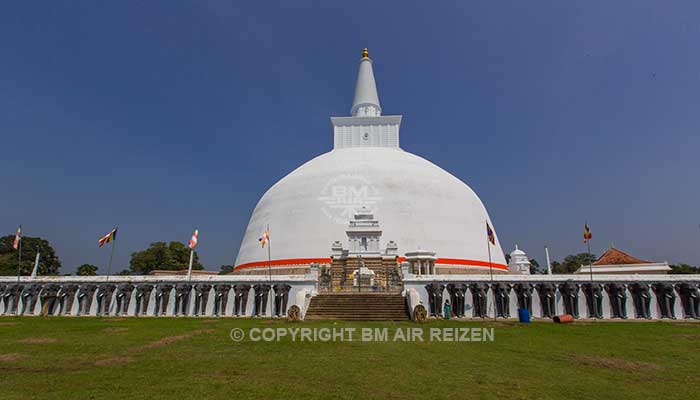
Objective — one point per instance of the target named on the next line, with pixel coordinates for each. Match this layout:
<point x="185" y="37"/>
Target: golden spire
<point x="365" y="53"/>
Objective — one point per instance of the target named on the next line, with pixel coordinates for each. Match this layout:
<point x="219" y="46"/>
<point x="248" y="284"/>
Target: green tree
<point x="572" y="262"/>
<point x="534" y="266"/>
<point x="226" y="269"/>
<point x="684" y="269"/>
<point x="86" y="270"/>
<point x="173" y="256"/>
<point x="49" y="264"/>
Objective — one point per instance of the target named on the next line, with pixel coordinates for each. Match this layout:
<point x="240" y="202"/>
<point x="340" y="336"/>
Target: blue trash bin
<point x="524" y="315"/>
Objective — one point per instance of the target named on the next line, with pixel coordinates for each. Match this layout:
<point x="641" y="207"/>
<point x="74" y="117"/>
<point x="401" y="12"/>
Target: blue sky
<point x="160" y="117"/>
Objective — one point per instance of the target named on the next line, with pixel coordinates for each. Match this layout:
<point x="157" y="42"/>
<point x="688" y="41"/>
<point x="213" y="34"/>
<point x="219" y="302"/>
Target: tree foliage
<point x="49" y="264"/>
<point x="534" y="266"/>
<point x="572" y="262"/>
<point x="684" y="269"/>
<point x="226" y="269"/>
<point x="86" y="270"/>
<point x="173" y="256"/>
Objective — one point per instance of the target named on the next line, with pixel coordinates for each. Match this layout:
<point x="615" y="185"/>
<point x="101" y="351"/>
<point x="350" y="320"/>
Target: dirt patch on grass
<point x="10" y="357"/>
<point x="71" y="365"/>
<point x="614" y="363"/>
<point x="37" y="341"/>
<point x="689" y="336"/>
<point x="8" y="323"/>
<point x="274" y="321"/>
<point x="168" y="340"/>
<point x="115" y="361"/>
<point x="209" y="321"/>
<point x="113" y="329"/>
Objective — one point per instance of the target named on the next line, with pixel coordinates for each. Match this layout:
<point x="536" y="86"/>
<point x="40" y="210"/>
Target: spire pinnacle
<point x="366" y="102"/>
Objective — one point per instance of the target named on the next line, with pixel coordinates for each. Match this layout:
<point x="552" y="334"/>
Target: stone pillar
<point x="405" y="269"/>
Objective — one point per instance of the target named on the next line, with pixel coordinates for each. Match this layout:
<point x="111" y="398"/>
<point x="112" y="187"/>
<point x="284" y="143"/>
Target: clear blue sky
<point x="163" y="116"/>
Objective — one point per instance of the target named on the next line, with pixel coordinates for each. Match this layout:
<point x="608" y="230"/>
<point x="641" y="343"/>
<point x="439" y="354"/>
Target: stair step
<point x="358" y="307"/>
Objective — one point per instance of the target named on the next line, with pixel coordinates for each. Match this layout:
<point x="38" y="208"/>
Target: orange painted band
<point x="281" y="263"/>
<point x="304" y="261"/>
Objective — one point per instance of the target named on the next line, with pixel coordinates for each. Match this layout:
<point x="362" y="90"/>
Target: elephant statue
<point x="281" y="299"/>
<point x="201" y="291"/>
<point x="30" y="295"/>
<point x="124" y="291"/>
<point x="142" y="298"/>
<point x="49" y="298"/>
<point x="240" y="298"/>
<point x="457" y="293"/>
<point x="262" y="292"/>
<point x="435" y="291"/>
<point x="104" y="298"/>
<point x="480" y="297"/>
<point x="10" y="298"/>
<point x="617" y="293"/>
<point x="569" y="292"/>
<point x="501" y="296"/>
<point x="221" y="291"/>
<point x="182" y="298"/>
<point x="666" y="296"/>
<point x="461" y="299"/>
<point x="523" y="291"/>
<point x="641" y="297"/>
<point x="66" y="297"/>
<point x="2" y="291"/>
<point x="85" y="296"/>
<point x="163" y="291"/>
<point x="594" y="299"/>
<point x="547" y="293"/>
<point x="690" y="299"/>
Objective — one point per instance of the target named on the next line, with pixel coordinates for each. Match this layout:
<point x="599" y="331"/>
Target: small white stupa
<point x="519" y="264"/>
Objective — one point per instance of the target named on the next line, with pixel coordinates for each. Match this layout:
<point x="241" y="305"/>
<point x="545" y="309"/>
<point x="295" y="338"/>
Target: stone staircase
<point x="358" y="307"/>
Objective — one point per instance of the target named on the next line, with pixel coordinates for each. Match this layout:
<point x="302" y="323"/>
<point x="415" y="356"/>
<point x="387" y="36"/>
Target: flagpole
<point x="19" y="261"/>
<point x="269" y="267"/>
<point x="493" y="292"/>
<point x="189" y="269"/>
<point x="590" y="271"/>
<point x="269" y="256"/>
<point x="111" y="255"/>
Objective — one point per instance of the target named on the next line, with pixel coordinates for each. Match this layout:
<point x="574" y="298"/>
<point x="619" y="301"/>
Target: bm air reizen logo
<point x="343" y="195"/>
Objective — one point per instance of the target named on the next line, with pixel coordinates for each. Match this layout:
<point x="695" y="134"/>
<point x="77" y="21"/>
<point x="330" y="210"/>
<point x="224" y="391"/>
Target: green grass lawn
<point x="146" y="358"/>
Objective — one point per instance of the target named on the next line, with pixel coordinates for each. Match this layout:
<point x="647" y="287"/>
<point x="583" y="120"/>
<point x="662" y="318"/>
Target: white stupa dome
<point x="418" y="204"/>
<point x="517" y="252"/>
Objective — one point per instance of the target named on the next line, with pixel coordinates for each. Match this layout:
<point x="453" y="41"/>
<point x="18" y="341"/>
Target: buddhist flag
<point x="265" y="237"/>
<point x="587" y="235"/>
<point x="490" y="235"/>
<point x="108" y="237"/>
<point x="18" y="237"/>
<point x="193" y="240"/>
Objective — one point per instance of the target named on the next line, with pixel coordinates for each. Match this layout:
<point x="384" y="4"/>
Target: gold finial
<point x="365" y="53"/>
